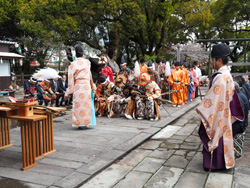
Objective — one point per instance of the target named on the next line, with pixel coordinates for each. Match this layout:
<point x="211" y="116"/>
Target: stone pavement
<point x="81" y="154"/>
<point x="172" y="158"/>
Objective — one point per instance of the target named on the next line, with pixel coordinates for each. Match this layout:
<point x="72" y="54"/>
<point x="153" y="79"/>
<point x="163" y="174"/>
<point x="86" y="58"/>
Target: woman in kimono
<point x="196" y="82"/>
<point x="80" y="83"/>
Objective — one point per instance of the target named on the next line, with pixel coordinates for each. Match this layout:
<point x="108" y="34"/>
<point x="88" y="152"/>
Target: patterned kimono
<point x="144" y="107"/>
<point x="106" y="71"/>
<point x="216" y="122"/>
<point x="129" y="103"/>
<point x="46" y="94"/>
<point x="79" y="85"/>
<point x="102" y="93"/>
<point x="177" y="80"/>
<point x="154" y="76"/>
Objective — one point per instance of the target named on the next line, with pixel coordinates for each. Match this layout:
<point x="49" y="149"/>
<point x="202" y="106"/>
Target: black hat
<point x="150" y="63"/>
<point x="79" y="51"/>
<point x="142" y="60"/>
<point x="220" y="50"/>
<point x="102" y="79"/>
<point x="163" y="61"/>
<point x="190" y="66"/>
<point x="158" y="60"/>
<point x="195" y="63"/>
<point x="177" y="63"/>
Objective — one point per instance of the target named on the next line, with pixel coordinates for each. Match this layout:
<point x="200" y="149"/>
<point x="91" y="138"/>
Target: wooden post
<point x="22" y="78"/>
<point x="245" y="52"/>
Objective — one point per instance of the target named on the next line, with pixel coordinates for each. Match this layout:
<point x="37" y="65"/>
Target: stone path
<point x="172" y="158"/>
<point x="80" y="154"/>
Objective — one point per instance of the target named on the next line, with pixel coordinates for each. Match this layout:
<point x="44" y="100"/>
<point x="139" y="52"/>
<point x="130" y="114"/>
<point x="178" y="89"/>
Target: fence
<point x="236" y="64"/>
<point x="21" y="78"/>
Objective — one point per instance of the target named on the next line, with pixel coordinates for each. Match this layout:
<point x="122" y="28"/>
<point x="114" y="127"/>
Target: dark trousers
<point x="69" y="101"/>
<point x="237" y="128"/>
<point x="58" y="97"/>
<point x="196" y="91"/>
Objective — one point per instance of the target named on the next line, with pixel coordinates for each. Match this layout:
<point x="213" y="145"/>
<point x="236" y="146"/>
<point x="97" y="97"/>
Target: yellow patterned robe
<point x="79" y="85"/>
<point x="215" y="114"/>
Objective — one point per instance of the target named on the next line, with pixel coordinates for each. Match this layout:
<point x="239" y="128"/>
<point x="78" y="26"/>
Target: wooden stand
<point x="37" y="134"/>
<point x="25" y="109"/>
<point x="30" y="138"/>
<point x="5" y="133"/>
<point x="48" y="131"/>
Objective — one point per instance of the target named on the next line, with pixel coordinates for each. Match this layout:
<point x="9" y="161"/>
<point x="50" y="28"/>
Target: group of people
<point x="136" y="93"/>
<point x="48" y="91"/>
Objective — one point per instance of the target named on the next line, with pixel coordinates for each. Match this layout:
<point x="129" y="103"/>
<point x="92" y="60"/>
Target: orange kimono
<point x="79" y="85"/>
<point x="187" y="81"/>
<point x="176" y="80"/>
<point x="143" y="68"/>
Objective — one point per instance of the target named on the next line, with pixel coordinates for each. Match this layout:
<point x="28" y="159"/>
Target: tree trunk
<point x="115" y="47"/>
<point x="112" y="63"/>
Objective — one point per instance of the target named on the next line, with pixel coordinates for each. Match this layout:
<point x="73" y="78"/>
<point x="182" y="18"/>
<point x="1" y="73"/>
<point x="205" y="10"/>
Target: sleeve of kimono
<point x="38" y="90"/>
<point x="157" y="91"/>
<point x="70" y="89"/>
<point x="183" y="79"/>
<point x="158" y="79"/>
<point x="27" y="88"/>
<point x="171" y="79"/>
<point x="50" y="91"/>
<point x="214" y="111"/>
<point x="41" y="89"/>
<point x="98" y="93"/>
<point x="187" y="76"/>
<point x="111" y="75"/>
<point x="196" y="83"/>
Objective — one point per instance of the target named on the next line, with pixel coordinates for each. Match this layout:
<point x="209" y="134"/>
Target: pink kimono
<point x="216" y="115"/>
<point x="196" y="83"/>
<point x="79" y="85"/>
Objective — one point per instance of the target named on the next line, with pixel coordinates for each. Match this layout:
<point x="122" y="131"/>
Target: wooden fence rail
<point x="21" y="78"/>
<point x="236" y="64"/>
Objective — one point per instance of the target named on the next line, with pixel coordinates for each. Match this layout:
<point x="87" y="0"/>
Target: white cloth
<point x="198" y="72"/>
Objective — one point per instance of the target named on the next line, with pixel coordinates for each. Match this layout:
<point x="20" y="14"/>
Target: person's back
<point x="240" y="126"/>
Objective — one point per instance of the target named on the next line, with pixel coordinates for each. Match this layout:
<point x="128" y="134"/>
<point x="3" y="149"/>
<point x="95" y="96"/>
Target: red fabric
<point x="107" y="71"/>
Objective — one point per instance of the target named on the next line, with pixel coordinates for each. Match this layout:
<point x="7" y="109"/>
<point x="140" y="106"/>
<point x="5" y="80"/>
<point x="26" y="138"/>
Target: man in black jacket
<point x="55" y="88"/>
<point x="62" y="86"/>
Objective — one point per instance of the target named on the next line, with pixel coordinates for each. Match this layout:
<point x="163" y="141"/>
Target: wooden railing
<point x="22" y="78"/>
<point x="237" y="64"/>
